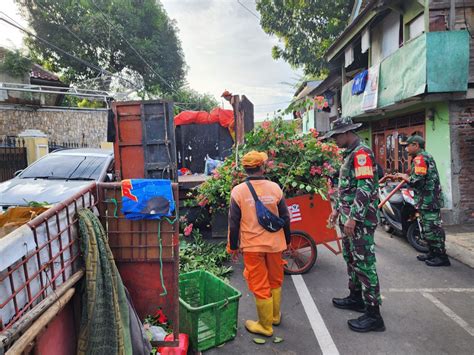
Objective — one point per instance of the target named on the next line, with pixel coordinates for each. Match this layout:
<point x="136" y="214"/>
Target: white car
<point x="57" y="176"/>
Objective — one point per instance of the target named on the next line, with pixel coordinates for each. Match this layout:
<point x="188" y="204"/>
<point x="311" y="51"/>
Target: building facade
<point x="407" y="67"/>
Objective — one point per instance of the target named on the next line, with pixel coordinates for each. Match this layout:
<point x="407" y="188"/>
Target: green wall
<point x="308" y="120"/>
<point x="366" y="135"/>
<point x="438" y="144"/>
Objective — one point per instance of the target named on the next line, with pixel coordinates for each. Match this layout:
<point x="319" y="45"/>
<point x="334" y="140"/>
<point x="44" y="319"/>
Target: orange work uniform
<point x="261" y="249"/>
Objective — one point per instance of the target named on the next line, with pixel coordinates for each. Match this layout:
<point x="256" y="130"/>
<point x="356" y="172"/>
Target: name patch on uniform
<point x="420" y="165"/>
<point x="363" y="165"/>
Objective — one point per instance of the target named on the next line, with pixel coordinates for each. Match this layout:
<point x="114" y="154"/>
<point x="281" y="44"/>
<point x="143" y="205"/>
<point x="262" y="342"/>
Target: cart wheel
<point x="301" y="254"/>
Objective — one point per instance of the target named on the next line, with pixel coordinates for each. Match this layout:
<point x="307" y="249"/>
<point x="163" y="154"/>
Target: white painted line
<point x="431" y="290"/>
<point x="317" y="323"/>
<point x="450" y="313"/>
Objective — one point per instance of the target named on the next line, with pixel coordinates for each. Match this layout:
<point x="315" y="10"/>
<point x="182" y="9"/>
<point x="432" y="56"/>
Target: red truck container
<point x="39" y="274"/>
<point x="145" y="143"/>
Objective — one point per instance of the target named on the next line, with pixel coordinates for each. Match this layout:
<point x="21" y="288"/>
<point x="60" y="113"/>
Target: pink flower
<point x="203" y="203"/>
<point x="270" y="164"/>
<point x="188" y="230"/>
<point x="266" y="124"/>
<point x="314" y="133"/>
<point x="216" y="174"/>
<point x="315" y="170"/>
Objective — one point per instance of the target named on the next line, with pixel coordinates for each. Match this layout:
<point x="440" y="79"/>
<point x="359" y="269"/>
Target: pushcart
<point x="309" y="214"/>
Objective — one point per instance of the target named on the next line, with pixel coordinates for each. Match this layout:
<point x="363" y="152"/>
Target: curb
<point x="462" y="253"/>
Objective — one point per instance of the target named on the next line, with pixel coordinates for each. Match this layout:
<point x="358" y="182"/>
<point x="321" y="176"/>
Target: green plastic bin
<point x="208" y="309"/>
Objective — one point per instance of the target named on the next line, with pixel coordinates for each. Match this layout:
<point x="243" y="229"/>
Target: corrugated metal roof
<point x="310" y="86"/>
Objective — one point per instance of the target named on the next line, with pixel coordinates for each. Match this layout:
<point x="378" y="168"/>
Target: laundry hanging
<point x="360" y="80"/>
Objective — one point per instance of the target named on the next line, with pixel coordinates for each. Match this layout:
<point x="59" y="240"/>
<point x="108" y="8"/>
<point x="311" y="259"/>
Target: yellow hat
<point x="254" y="159"/>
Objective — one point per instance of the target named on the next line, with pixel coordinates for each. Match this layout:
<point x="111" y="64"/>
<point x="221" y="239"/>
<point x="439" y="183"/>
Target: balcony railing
<point x="433" y="62"/>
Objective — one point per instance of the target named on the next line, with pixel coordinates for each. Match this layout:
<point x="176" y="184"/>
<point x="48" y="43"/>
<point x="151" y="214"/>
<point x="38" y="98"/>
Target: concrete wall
<point x="60" y="125"/>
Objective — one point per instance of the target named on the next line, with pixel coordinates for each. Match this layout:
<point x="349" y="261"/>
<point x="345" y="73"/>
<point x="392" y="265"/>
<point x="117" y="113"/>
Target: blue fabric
<point x="360" y="81"/>
<point x="147" y="199"/>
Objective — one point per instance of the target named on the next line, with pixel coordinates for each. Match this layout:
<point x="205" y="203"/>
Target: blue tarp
<point x="147" y="199"/>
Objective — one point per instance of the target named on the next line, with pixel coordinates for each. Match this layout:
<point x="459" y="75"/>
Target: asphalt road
<point x="426" y="310"/>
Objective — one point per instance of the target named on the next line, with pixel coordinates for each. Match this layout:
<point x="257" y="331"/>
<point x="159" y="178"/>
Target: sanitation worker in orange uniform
<point x="261" y="249"/>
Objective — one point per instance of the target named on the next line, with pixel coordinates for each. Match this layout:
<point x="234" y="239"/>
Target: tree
<point x="187" y="99"/>
<point x="305" y="27"/>
<point x="133" y="34"/>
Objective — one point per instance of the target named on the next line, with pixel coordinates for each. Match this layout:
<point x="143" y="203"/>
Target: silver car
<point x="57" y="176"/>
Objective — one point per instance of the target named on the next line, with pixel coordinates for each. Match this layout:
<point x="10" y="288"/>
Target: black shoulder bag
<point x="266" y="218"/>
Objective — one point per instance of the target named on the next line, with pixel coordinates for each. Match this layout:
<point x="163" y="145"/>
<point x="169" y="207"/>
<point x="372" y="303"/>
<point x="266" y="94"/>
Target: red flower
<point x="160" y="317"/>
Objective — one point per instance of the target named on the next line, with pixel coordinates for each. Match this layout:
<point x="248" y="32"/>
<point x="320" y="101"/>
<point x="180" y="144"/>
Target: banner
<point x="369" y="100"/>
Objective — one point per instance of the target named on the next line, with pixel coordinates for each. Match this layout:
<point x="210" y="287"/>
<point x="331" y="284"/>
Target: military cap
<point x="414" y="139"/>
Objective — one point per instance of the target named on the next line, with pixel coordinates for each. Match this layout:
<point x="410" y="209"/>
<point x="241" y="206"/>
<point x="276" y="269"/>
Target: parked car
<point x="57" y="176"/>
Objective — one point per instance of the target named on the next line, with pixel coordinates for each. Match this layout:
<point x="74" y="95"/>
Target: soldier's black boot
<point x="353" y="302"/>
<point x="424" y="257"/>
<point x="438" y="260"/>
<point x="370" y="321"/>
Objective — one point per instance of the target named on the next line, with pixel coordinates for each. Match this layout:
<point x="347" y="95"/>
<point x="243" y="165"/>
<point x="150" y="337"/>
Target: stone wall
<point x="60" y="125"/>
<point x="462" y="150"/>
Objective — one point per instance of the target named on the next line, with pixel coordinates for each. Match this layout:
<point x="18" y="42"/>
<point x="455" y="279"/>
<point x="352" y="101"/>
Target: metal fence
<point x="52" y="145"/>
<point x="12" y="156"/>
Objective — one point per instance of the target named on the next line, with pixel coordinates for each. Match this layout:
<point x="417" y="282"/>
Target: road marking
<point x="450" y="313"/>
<point x="317" y="323"/>
<point x="431" y="290"/>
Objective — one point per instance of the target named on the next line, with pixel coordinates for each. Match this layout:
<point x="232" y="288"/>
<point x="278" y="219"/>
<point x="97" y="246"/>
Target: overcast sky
<point x="224" y="47"/>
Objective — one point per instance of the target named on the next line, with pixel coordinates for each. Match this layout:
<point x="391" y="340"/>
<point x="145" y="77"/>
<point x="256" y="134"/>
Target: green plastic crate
<point x="208" y="309"/>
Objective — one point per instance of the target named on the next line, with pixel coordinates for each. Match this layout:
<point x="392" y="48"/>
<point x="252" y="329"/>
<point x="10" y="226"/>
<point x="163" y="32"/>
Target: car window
<point x="73" y="167"/>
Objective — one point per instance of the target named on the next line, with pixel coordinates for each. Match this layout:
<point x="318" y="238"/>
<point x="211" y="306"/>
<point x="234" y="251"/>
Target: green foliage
<point x="80" y="28"/>
<point x="197" y="254"/>
<point x="85" y="103"/>
<point x="305" y="27"/>
<point x="298" y="162"/>
<point x="187" y="99"/>
<point x="15" y="64"/>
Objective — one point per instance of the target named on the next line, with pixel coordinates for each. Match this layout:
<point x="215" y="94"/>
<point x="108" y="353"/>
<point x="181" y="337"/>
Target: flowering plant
<point x="160" y="319"/>
<point x="321" y="102"/>
<point x="298" y="162"/>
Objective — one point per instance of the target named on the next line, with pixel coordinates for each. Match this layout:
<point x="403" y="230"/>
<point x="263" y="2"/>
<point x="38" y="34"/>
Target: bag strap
<point x="252" y="191"/>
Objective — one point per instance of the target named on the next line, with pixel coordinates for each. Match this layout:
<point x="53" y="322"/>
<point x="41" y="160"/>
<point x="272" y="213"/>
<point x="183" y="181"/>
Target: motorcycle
<point x="398" y="213"/>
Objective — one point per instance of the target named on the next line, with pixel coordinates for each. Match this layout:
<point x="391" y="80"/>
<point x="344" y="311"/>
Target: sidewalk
<point x="460" y="243"/>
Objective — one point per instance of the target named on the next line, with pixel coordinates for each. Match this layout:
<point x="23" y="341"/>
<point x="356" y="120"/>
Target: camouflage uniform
<point x="357" y="200"/>
<point x="424" y="179"/>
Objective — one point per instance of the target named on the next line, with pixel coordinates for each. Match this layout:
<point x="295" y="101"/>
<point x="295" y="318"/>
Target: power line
<point x="38" y="3"/>
<point x="98" y="69"/>
<point x="132" y="47"/>
<point x="82" y="61"/>
<point x="246" y="8"/>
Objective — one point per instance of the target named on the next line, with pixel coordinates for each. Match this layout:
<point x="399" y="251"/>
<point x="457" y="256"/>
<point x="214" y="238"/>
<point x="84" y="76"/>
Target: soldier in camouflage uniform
<point x="424" y="179"/>
<point x="356" y="212"/>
